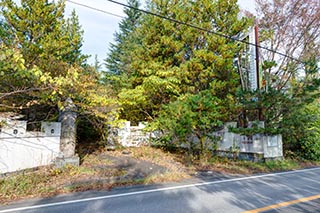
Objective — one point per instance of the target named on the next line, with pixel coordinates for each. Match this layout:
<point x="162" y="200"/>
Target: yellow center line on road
<point x="283" y="204"/>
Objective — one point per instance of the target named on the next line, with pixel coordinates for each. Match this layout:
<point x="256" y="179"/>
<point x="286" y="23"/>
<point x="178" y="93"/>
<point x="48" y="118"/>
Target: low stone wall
<point x="247" y="147"/>
<point x="249" y="156"/>
<point x="20" y="149"/>
<point x="132" y="136"/>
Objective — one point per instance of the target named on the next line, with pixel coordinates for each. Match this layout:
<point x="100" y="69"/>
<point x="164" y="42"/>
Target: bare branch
<point x="18" y="91"/>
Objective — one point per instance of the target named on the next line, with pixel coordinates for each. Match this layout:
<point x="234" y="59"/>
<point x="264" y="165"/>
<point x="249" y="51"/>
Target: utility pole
<point x="256" y="33"/>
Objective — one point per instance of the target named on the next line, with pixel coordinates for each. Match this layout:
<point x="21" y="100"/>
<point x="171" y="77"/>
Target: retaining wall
<point x="20" y="149"/>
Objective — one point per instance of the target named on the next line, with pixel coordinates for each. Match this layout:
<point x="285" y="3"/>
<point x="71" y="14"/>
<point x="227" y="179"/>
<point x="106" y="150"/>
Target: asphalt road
<point x="306" y="207"/>
<point x="280" y="192"/>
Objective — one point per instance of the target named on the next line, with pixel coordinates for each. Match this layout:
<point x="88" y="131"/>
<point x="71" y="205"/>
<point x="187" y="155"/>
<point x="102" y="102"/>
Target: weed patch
<point x="106" y="169"/>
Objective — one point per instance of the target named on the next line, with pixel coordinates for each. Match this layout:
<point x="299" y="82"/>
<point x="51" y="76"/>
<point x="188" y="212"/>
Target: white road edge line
<point x="154" y="190"/>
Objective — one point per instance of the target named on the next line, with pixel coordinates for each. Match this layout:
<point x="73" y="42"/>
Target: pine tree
<point x="175" y="60"/>
<point x="74" y="35"/>
<point x="45" y="38"/>
<point x="48" y="49"/>
<point x="118" y="58"/>
<point x="183" y="79"/>
<point x="41" y="64"/>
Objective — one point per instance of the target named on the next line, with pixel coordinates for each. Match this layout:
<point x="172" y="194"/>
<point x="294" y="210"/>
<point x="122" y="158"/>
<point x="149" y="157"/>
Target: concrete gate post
<point x="68" y="117"/>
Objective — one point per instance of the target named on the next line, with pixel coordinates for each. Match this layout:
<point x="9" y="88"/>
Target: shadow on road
<point x="211" y="192"/>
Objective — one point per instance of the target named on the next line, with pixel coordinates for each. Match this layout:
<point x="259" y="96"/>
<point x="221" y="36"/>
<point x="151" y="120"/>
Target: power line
<point x="96" y="9"/>
<point x="187" y="24"/>
<point x="205" y="30"/>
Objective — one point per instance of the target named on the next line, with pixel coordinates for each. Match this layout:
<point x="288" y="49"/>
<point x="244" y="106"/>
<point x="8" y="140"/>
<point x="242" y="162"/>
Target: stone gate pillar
<point x="68" y="117"/>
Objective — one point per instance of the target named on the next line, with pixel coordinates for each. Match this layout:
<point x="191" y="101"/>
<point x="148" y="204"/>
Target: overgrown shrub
<point x="302" y="135"/>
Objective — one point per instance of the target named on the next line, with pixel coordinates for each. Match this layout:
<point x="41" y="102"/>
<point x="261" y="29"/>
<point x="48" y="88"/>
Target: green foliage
<point x="290" y="111"/>
<point x="118" y="60"/>
<point x="190" y="117"/>
<point x="180" y="79"/>
<point x="23" y="185"/>
<point x="97" y="108"/>
<point x="45" y="38"/>
<point x="171" y="60"/>
<point x="74" y="37"/>
<point x="291" y="87"/>
<point x="41" y="65"/>
<point x="277" y="165"/>
<point x="303" y="131"/>
<point x="5" y="37"/>
<point x="17" y="82"/>
<point x="46" y="52"/>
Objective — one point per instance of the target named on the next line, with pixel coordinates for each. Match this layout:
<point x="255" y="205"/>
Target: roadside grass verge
<point x="96" y="172"/>
<point x="225" y="165"/>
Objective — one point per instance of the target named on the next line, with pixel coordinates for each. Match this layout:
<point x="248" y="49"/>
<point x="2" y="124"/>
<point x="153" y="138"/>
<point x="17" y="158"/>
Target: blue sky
<point x="99" y="27"/>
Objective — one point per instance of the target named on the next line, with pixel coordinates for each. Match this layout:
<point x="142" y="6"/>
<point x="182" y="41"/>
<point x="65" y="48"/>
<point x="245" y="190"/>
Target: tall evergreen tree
<point x="45" y="38"/>
<point x="118" y="58"/>
<point x="48" y="46"/>
<point x="182" y="78"/>
<point x="174" y="60"/>
<point x="74" y="36"/>
<point x="41" y="64"/>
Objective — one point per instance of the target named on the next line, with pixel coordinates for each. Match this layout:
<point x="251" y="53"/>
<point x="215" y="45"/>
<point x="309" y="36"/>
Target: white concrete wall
<point x="269" y="146"/>
<point x="273" y="146"/>
<point x="227" y="138"/>
<point x="132" y="136"/>
<point x="21" y="150"/>
<point x="252" y="144"/>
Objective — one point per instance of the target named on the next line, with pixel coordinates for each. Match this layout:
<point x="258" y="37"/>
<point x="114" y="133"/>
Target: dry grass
<point x="177" y="170"/>
<point x="48" y="181"/>
<point x="156" y="156"/>
<point x="225" y="165"/>
<point x="96" y="172"/>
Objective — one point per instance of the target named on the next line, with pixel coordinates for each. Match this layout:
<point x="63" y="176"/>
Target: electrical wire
<point x="186" y="24"/>
<point x="205" y="30"/>
<point x="96" y="9"/>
